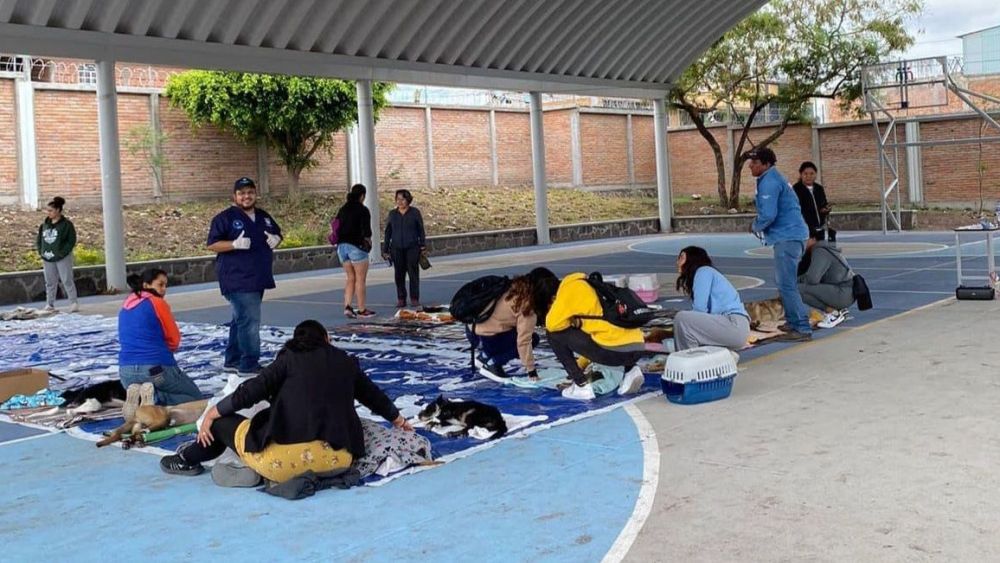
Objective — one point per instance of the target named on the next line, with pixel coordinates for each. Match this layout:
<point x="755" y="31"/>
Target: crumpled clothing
<point x="25" y="314"/>
<point x="388" y="450"/>
<point x="44" y="398"/>
<point x="309" y="483"/>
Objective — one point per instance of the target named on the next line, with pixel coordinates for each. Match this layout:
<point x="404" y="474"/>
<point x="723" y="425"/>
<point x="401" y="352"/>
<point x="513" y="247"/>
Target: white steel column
<point x="914" y="163"/>
<point x="494" y="164"/>
<point x="366" y="152"/>
<point x="662" y="165"/>
<point x="576" y="148"/>
<point x="538" y="169"/>
<point x="353" y="155"/>
<point x="111" y="175"/>
<point x="27" y="163"/>
<point x="429" y="145"/>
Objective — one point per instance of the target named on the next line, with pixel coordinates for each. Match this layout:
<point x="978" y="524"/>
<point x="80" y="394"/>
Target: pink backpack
<point x="334" y="227"/>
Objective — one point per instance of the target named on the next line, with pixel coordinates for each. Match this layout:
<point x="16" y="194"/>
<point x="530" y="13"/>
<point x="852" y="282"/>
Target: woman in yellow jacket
<point x="595" y="339"/>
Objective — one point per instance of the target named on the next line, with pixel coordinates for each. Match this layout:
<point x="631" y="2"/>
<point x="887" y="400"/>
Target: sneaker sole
<point x="132" y="394"/>
<point x="184" y="472"/>
<point x="147" y="394"/>
<point x="491" y="376"/>
<point x="634" y="386"/>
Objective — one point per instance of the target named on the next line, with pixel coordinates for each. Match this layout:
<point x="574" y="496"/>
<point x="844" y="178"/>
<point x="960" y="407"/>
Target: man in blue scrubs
<point x="779" y="219"/>
<point x="243" y="238"/>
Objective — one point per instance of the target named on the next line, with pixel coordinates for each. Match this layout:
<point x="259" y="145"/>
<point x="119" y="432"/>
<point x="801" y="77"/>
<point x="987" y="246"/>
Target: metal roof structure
<point x="631" y="48"/>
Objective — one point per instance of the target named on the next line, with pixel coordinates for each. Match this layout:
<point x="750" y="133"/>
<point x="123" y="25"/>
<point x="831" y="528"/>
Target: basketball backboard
<point x="906" y="84"/>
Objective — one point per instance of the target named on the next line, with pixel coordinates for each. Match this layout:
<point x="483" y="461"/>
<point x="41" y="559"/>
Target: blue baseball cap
<point x="244" y="182"/>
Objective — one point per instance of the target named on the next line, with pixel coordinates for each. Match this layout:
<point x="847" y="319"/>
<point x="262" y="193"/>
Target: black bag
<point x="621" y="306"/>
<point x="474" y="302"/>
<point x="861" y="294"/>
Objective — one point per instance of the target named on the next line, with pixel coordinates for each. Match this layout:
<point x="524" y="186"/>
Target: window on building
<point x="86" y="73"/>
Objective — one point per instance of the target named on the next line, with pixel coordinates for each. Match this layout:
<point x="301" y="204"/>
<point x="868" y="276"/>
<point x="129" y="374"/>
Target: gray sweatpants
<point x="56" y="272"/>
<point x="693" y="329"/>
<point x="825" y="295"/>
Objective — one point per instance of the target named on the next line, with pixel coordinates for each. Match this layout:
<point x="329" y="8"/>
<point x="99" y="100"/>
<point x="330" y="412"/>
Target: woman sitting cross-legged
<point x="717" y="316"/>
<point x="311" y="424"/>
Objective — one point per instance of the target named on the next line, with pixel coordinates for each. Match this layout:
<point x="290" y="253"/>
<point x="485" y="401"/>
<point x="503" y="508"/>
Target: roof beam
<point x="235" y="20"/>
<point x="317" y="21"/>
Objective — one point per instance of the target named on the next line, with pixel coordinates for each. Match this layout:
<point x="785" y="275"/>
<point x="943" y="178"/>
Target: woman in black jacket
<point x="403" y="244"/>
<point x="354" y="242"/>
<point x="311" y="424"/>
<point x="812" y="200"/>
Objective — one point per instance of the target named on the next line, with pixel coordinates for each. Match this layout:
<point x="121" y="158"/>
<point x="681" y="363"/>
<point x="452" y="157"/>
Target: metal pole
<point x="662" y="164"/>
<point x="538" y="169"/>
<point x="366" y="140"/>
<point x="111" y="176"/>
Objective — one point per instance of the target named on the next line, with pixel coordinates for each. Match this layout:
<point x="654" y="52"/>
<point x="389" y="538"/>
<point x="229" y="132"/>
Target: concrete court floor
<point x="820" y="454"/>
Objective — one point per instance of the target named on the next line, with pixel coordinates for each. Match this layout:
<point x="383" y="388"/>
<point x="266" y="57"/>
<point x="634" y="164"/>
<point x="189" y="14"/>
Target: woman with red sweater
<point x="148" y="335"/>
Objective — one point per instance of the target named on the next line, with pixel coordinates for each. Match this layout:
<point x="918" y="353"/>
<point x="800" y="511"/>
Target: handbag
<point x="424" y="262"/>
<point x="861" y="293"/>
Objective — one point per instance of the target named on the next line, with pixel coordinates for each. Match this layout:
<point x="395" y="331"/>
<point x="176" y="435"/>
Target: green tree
<point x="144" y="142"/>
<point x="296" y="116"/>
<point x="780" y="58"/>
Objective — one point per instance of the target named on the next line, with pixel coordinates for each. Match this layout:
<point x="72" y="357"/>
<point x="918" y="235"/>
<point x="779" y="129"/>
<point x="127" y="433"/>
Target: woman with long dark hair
<point x="403" y="244"/>
<point x="55" y="242"/>
<point x="310" y="425"/>
<point x="354" y="242"/>
<point x="510" y="331"/>
<point x="148" y="337"/>
<point x="717" y="316"/>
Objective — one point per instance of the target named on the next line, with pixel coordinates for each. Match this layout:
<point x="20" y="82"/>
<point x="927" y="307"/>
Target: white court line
<point x="647" y="493"/>
<point x="26" y="438"/>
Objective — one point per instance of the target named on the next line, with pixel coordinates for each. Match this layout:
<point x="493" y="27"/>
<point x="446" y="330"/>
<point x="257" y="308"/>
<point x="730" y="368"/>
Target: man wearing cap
<point x="779" y="219"/>
<point x="243" y="238"/>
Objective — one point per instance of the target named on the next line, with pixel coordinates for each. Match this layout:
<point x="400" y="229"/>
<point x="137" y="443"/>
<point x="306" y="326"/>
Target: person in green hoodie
<point x="55" y="242"/>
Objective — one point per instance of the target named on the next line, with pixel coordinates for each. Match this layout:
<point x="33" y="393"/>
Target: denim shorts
<point x="350" y="253"/>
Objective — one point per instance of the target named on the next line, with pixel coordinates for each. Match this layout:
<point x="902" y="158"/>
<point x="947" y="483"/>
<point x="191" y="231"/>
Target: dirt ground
<point x="169" y="230"/>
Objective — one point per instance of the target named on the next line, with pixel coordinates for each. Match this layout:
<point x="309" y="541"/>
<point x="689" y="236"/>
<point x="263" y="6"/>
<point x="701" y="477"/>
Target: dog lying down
<point x="466" y="415"/>
<point x="150" y="418"/>
<point x="765" y="311"/>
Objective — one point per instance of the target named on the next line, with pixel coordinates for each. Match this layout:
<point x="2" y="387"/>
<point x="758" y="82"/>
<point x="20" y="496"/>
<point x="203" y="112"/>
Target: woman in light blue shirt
<point x="717" y="316"/>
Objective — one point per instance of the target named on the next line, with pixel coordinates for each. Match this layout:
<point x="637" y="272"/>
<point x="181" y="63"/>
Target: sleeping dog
<point x="150" y="418"/>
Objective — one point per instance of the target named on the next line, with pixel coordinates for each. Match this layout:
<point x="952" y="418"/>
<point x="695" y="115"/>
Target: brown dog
<point x="767" y="310"/>
<point x="155" y="417"/>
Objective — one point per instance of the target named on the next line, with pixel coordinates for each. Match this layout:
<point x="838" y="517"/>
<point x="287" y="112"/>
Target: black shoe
<point x="175" y="465"/>
<point x="794" y="336"/>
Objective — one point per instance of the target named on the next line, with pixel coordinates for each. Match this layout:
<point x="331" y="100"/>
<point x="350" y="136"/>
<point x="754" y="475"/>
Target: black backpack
<point x="621" y="306"/>
<point x="475" y="301"/>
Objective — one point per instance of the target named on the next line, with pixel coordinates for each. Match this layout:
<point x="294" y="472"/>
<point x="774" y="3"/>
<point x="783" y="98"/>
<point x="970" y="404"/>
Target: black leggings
<point x="224" y="434"/>
<point x="565" y="342"/>
<point x="406" y="262"/>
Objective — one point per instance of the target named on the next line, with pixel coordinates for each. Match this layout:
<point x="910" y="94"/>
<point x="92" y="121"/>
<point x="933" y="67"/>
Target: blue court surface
<point x="563" y="493"/>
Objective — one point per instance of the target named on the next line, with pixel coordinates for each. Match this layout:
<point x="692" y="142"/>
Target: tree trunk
<point x="736" y="182"/>
<point x="293" y="182"/>
<point x="720" y="166"/>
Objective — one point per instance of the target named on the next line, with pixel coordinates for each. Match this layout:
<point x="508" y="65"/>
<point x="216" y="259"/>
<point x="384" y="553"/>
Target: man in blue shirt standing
<point x="243" y="238"/>
<point x="779" y="219"/>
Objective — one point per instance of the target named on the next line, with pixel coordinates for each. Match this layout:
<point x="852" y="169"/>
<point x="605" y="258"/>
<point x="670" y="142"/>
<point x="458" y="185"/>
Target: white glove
<point x="273" y="240"/>
<point x="241" y="242"/>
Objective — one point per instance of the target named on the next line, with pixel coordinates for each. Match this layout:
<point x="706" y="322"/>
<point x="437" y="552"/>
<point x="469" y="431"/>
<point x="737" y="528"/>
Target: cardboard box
<point x="24" y="381"/>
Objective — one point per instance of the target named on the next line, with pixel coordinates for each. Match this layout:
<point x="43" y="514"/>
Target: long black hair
<point x="137" y="281"/>
<point x="357" y="192"/>
<point x="544" y="285"/>
<point x="694" y="257"/>
<point x="309" y="335"/>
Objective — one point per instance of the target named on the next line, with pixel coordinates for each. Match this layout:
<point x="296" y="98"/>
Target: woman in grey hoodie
<point x="828" y="283"/>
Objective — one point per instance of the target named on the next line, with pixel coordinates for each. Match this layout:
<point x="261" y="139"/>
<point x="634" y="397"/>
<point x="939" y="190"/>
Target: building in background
<point x="981" y="51"/>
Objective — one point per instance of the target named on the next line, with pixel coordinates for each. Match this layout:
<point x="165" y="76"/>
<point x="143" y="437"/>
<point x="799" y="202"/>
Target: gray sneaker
<point x="226" y="475"/>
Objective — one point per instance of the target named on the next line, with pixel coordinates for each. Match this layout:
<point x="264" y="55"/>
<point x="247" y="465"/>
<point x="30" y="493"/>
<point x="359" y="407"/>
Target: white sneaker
<point x="49" y="308"/>
<point x="631" y="382"/>
<point x="74" y="308"/>
<point x="832" y="319"/>
<point x="579" y="392"/>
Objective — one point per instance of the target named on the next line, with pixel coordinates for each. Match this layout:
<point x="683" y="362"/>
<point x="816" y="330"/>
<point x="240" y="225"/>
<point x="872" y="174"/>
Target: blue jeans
<point x="501" y="348"/>
<point x="787" y="254"/>
<point x="243" y="349"/>
<point x="173" y="386"/>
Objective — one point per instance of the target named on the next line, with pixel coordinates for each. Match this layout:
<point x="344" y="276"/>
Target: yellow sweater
<point x="575" y="298"/>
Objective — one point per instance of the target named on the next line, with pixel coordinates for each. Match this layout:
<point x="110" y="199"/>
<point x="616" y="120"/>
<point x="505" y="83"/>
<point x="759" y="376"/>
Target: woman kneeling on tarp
<point x="311" y="424"/>
<point x="718" y="317"/>
<point x="510" y="331"/>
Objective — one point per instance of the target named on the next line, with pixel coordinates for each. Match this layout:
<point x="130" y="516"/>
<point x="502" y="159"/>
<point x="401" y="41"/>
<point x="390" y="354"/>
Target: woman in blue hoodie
<point x="717" y="316"/>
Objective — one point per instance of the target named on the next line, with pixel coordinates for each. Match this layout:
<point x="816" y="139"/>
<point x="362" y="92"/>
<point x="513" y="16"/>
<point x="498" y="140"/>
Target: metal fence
<point x="83" y="74"/>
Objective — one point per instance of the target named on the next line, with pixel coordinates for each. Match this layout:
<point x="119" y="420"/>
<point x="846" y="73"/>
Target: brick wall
<point x="951" y="172"/>
<point x="644" y="149"/>
<point x="8" y="141"/>
<point x="692" y="164"/>
<point x="850" y="163"/>
<point x="604" y="149"/>
<point x="461" y="140"/>
<point x="513" y="148"/>
<point x="558" y="148"/>
<point x="330" y="175"/>
<point x="401" y="149"/>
